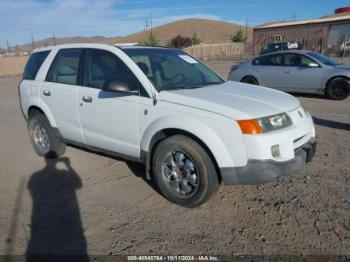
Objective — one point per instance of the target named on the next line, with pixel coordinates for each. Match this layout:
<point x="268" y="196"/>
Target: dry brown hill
<point x="64" y="40"/>
<point x="209" y="31"/>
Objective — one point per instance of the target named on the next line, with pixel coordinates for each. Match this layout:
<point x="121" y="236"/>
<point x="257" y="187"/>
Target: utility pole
<point x="151" y="22"/>
<point x="33" y="44"/>
<point x="246" y="28"/>
<point x="146" y="25"/>
<point x="8" y="47"/>
<point x="53" y="39"/>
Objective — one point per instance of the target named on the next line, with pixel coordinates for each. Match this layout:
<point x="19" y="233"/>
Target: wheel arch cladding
<point x="44" y="109"/>
<point x="337" y="76"/>
<point x="168" y="132"/>
<point x="194" y="128"/>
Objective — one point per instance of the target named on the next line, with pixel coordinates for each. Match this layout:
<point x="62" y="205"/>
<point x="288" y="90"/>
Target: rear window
<point x="269" y="60"/>
<point x="33" y="65"/>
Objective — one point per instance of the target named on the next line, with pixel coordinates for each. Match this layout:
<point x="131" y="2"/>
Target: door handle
<point x="87" y="99"/>
<point x="46" y="93"/>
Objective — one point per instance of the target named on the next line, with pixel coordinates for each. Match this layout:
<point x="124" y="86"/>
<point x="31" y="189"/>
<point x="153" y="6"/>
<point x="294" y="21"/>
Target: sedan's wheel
<point x="184" y="172"/>
<point x="43" y="138"/>
<point x="338" y="89"/>
<point x="250" y="80"/>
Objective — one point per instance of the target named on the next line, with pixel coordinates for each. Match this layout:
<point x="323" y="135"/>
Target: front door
<point x="109" y="120"/>
<point x="299" y="76"/>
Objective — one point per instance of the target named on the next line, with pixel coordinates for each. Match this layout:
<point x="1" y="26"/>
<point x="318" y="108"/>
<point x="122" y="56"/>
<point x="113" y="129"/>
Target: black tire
<point x="338" y="88"/>
<point x="250" y="80"/>
<point x="203" y="169"/>
<point x="54" y="148"/>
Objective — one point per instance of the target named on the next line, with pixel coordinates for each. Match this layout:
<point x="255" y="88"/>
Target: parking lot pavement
<point x="88" y="203"/>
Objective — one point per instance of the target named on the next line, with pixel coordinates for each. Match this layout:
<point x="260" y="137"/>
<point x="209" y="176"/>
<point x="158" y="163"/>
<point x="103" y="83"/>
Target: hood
<point x="234" y="100"/>
<point x="343" y="66"/>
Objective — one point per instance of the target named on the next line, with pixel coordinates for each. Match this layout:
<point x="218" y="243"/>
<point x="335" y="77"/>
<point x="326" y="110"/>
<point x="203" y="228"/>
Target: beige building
<point x="329" y="35"/>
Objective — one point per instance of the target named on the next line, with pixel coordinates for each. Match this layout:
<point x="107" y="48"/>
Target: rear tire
<point x="250" y="80"/>
<point x="43" y="138"/>
<point x="338" y="89"/>
<point x="184" y="172"/>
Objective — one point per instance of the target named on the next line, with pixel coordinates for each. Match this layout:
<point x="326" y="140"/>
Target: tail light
<point x="19" y="88"/>
<point x="234" y="67"/>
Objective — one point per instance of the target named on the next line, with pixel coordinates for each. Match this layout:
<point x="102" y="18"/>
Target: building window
<point x="278" y="38"/>
<point x="339" y="40"/>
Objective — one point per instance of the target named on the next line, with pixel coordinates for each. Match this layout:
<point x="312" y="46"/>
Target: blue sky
<point x="21" y="18"/>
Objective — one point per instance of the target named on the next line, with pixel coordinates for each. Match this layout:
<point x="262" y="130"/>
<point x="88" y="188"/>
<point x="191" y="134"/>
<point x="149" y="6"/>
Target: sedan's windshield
<point x="323" y="59"/>
<point x="171" y="69"/>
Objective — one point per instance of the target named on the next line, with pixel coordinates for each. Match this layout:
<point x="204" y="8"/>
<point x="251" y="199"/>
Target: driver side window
<point x="102" y="66"/>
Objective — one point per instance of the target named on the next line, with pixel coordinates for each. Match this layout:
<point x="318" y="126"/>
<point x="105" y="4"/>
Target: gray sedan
<point x="296" y="71"/>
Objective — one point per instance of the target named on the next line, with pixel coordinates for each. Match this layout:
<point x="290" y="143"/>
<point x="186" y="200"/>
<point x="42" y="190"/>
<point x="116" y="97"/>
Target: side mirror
<point x="313" y="65"/>
<point x="119" y="87"/>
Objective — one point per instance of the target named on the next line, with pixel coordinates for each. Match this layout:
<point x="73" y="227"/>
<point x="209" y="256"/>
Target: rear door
<point x="269" y="70"/>
<point x="299" y="76"/>
<point x="109" y="120"/>
<point x="60" y="93"/>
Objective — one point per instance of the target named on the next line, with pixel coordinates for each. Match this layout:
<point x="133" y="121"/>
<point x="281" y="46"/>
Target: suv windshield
<point x="323" y="59"/>
<point x="170" y="69"/>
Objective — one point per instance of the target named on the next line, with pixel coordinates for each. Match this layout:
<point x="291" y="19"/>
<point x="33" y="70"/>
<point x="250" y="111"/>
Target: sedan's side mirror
<point x="313" y="65"/>
<point x="119" y="87"/>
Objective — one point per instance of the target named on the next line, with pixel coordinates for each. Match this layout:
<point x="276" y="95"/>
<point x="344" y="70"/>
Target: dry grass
<point x="209" y="31"/>
<point x="12" y="66"/>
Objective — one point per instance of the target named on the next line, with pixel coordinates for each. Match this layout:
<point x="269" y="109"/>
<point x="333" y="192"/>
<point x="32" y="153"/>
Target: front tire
<point x="338" y="89"/>
<point x="43" y="138"/>
<point x="250" y="80"/>
<point x="184" y="172"/>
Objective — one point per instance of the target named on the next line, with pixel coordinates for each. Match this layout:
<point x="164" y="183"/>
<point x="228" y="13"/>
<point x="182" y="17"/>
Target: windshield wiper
<point x="212" y="83"/>
<point x="169" y="88"/>
<point x="181" y="87"/>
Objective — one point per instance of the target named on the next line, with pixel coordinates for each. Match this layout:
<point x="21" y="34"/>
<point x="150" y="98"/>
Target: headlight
<point x="265" y="124"/>
<point x="272" y="123"/>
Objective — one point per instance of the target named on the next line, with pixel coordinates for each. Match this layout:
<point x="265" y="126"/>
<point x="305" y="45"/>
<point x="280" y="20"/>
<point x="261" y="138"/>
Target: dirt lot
<point x="12" y="66"/>
<point x="87" y="203"/>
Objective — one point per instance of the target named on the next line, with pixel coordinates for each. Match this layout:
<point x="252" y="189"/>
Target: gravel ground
<point x="86" y="203"/>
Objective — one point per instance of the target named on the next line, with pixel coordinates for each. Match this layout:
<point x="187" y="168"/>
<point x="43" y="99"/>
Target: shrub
<point x="195" y="39"/>
<point x="239" y="37"/>
<point x="152" y="40"/>
<point x="180" y="42"/>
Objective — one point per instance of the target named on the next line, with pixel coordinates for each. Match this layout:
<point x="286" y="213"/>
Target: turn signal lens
<point x="249" y="127"/>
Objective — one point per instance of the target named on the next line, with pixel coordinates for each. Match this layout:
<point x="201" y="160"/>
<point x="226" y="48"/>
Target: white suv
<point x="161" y="107"/>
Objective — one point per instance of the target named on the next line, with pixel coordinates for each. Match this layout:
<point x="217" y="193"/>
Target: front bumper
<point x="262" y="171"/>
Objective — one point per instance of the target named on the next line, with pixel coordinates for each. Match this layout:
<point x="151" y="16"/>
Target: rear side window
<point x="65" y="67"/>
<point x="269" y="60"/>
<point x="33" y="65"/>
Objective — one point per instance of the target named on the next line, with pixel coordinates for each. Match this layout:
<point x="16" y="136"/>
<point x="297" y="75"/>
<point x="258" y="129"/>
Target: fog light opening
<point x="275" y="151"/>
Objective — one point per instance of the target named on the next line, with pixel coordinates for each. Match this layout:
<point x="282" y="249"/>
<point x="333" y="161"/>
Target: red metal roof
<point x="342" y="10"/>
